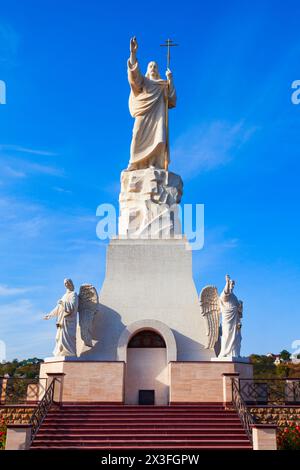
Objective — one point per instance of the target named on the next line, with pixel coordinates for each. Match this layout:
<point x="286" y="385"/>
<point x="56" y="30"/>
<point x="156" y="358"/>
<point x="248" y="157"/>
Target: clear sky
<point x="65" y="135"/>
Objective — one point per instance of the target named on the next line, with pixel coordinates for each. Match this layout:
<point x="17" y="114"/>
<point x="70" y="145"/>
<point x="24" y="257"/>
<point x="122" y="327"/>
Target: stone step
<point x="139" y="436"/>
<point x="168" y="441"/>
<point x="120" y="406"/>
<point x="206" y="446"/>
<point x="174" y="420"/>
<point x="123" y="416"/>
<point x="107" y="431"/>
<point x="115" y="427"/>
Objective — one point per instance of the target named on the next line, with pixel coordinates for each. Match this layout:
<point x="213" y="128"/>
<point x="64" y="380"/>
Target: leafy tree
<point x="285" y="355"/>
<point x="28" y="368"/>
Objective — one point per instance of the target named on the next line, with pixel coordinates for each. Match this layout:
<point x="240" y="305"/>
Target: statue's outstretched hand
<point x="133" y="45"/>
<point x="46" y="317"/>
<point x="227" y="277"/>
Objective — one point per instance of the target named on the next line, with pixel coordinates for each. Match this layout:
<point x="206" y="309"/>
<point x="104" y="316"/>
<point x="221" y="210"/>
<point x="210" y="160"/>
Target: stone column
<point x="3" y="390"/>
<point x="264" y="436"/>
<point x="227" y="387"/>
<point x="58" y="386"/>
<point x="18" y="437"/>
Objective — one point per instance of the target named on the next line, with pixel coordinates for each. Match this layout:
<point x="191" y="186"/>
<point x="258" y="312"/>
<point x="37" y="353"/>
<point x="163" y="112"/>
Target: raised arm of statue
<point x="135" y="77"/>
<point x="133" y="50"/>
<point x="226" y="290"/>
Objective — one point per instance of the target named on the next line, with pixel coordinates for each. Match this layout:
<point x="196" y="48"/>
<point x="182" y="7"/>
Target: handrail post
<point x="58" y="378"/>
<point x="227" y="387"/>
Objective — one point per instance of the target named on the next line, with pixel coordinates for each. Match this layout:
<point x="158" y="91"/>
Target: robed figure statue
<point x="232" y="312"/>
<point x="149" y="101"/>
<point x="66" y="321"/>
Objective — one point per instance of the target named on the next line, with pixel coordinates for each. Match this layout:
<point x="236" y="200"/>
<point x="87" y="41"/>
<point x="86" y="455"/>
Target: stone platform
<point x="85" y="381"/>
<point x="105" y="382"/>
<point x="149" y="280"/>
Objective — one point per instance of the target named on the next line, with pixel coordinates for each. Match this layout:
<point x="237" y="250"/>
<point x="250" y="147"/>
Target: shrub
<point x="2" y="433"/>
<point x="288" y="438"/>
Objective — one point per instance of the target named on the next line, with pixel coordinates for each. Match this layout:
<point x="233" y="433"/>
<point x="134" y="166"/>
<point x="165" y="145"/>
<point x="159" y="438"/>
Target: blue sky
<point x="65" y="135"/>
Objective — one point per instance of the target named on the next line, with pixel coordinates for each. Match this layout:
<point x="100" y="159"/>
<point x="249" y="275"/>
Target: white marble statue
<point x="65" y="313"/>
<point x="149" y="202"/>
<point x="149" y="99"/>
<point x="232" y="312"/>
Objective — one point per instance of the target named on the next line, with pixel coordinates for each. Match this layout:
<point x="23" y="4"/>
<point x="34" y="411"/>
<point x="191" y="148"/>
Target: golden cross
<point x="169" y="43"/>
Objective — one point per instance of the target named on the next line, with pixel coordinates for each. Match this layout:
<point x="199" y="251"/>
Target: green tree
<point x="285" y="355"/>
<point x="28" y="368"/>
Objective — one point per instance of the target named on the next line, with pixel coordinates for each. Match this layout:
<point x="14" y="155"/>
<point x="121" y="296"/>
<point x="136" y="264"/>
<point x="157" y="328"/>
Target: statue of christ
<point x="149" y="101"/>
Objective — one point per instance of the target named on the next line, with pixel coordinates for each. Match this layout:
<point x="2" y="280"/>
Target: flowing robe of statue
<point x="66" y="313"/>
<point x="147" y="104"/>
<point x="231" y="331"/>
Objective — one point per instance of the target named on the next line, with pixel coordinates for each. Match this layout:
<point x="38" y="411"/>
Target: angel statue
<point x="66" y="321"/>
<point x="88" y="306"/>
<point x="229" y="332"/>
<point x="149" y="101"/>
<point x="210" y="309"/>
<point x="232" y="312"/>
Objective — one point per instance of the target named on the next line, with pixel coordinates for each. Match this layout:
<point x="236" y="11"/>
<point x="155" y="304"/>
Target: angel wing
<point x="88" y="303"/>
<point x="211" y="311"/>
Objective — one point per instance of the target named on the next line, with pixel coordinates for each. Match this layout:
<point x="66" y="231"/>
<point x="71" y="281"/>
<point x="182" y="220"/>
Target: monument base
<point x="196" y="382"/>
<point x="149" y="280"/>
<point x="85" y="381"/>
<point x="104" y="382"/>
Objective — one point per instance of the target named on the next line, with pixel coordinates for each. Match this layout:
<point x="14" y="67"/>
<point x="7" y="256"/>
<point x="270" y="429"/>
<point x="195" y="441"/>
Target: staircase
<point x="91" y="426"/>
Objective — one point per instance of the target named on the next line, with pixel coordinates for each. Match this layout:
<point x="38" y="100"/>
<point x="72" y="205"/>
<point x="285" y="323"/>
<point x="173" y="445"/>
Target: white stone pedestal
<point x="149" y="280"/>
<point x="149" y="201"/>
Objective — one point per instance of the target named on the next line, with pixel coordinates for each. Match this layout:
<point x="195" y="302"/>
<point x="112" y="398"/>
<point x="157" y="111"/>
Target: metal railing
<point x="273" y="392"/>
<point x="41" y="411"/>
<point x="19" y="391"/>
<point x="240" y="406"/>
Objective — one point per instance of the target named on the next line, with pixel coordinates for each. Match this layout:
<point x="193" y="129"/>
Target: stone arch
<point x="154" y="325"/>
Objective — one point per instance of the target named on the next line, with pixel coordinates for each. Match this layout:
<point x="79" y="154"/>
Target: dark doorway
<point x="146" y="397"/>
<point x="147" y="339"/>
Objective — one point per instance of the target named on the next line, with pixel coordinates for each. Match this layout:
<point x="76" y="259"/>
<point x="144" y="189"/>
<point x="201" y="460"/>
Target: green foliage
<point x="261" y="359"/>
<point x="288" y="438"/>
<point x="283" y="370"/>
<point x="2" y="433"/>
<point x="28" y="368"/>
<point x="285" y="355"/>
<point x="264" y="367"/>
